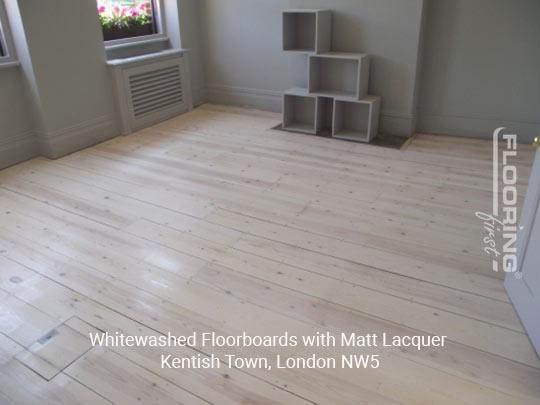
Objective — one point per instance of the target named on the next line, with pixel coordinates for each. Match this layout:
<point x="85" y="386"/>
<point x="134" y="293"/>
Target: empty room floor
<point x="212" y="221"/>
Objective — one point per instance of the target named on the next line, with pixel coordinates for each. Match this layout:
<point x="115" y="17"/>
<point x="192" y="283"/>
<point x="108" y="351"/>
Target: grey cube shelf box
<point x="306" y="30"/>
<point x="336" y="101"/>
<point x="356" y="120"/>
<point x="299" y="111"/>
<point x="339" y="75"/>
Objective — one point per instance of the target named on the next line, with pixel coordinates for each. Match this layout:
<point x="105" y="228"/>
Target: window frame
<point x="6" y="40"/>
<point x="158" y="8"/>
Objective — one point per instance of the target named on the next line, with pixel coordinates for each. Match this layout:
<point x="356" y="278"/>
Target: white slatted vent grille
<point x="156" y="90"/>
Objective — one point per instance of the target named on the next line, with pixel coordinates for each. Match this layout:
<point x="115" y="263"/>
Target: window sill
<point x="124" y="44"/>
<point x="150" y="56"/>
<point x="9" y="64"/>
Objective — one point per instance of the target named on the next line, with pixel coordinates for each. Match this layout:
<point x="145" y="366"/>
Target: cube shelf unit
<point x="336" y="100"/>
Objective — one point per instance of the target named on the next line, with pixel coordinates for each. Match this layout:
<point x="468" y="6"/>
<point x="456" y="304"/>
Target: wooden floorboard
<point x="212" y="221"/>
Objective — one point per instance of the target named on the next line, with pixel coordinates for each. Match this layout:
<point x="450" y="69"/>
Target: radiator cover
<point x="151" y="88"/>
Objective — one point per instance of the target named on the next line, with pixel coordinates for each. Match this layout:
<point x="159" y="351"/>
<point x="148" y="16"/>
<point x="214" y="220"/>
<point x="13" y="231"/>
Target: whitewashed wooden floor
<point x="211" y="221"/>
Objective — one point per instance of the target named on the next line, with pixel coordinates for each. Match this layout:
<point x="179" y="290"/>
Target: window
<point x="124" y="20"/>
<point x="6" y="47"/>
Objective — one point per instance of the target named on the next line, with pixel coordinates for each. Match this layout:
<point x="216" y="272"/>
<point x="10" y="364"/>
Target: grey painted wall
<point x="245" y="64"/>
<point x="191" y="38"/>
<point x="63" y="61"/>
<point x="16" y="137"/>
<point x="481" y="68"/>
<point x="13" y="104"/>
<point x="242" y="52"/>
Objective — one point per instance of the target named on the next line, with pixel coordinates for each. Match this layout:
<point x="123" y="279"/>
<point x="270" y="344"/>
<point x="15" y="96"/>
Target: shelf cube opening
<point x="352" y="121"/>
<point x="299" y="31"/>
<point x="299" y="113"/>
<point x="334" y="76"/>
